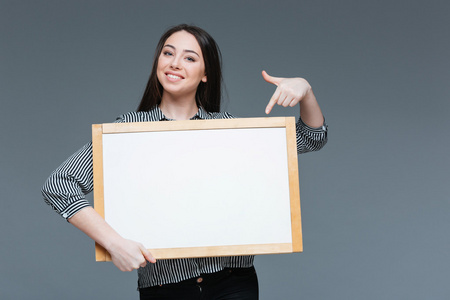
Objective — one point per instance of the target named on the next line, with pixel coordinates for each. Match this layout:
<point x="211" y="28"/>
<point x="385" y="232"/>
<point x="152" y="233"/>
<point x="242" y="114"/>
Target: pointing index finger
<point x="272" y="101"/>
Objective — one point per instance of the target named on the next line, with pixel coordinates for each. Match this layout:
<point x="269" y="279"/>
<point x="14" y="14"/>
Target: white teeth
<point x="173" y="76"/>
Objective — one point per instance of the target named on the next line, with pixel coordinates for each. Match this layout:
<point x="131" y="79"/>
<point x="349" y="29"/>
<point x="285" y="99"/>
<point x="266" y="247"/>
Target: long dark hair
<point x="208" y="93"/>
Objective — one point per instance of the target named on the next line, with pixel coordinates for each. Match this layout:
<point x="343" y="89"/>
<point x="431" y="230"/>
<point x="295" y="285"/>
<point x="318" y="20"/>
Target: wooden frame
<point x="108" y="139"/>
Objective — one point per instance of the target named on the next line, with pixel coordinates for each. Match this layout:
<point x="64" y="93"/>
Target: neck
<point x="178" y="108"/>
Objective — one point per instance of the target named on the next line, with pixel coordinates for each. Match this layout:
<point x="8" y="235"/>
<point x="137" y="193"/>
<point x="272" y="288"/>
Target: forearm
<point x="125" y="254"/>
<point x="310" y="111"/>
<point x="93" y="225"/>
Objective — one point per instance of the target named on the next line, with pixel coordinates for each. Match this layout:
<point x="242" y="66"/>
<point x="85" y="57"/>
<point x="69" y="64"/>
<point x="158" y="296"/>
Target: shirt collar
<point x="159" y="115"/>
<point x="201" y="114"/>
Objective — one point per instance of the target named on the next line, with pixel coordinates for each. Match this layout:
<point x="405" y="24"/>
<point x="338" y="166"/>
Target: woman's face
<point x="180" y="65"/>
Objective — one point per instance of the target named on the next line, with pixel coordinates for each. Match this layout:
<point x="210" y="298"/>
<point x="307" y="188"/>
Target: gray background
<point x="375" y="200"/>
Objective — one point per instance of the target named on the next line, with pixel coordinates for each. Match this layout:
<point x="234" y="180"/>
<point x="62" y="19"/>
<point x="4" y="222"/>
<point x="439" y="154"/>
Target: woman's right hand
<point x="128" y="255"/>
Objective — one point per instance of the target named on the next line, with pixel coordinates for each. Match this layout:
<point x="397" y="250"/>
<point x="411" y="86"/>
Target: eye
<point x="167" y="53"/>
<point x="191" y="59"/>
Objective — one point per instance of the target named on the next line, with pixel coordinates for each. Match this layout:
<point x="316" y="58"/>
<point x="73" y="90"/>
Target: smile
<point x="175" y="77"/>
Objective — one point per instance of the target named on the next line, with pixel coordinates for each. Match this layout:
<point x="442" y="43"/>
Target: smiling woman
<point x="180" y="71"/>
<point x="207" y="53"/>
<point x="185" y="83"/>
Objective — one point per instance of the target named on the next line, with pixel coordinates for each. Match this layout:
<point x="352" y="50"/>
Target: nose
<point x="175" y="64"/>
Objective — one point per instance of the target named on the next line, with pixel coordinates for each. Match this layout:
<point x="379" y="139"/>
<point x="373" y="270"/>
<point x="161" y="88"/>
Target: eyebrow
<point x="185" y="50"/>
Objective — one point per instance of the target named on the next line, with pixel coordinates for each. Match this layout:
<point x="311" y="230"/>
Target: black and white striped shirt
<point x="67" y="186"/>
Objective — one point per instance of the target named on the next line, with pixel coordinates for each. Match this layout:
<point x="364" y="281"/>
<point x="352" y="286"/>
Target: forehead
<point x="183" y="40"/>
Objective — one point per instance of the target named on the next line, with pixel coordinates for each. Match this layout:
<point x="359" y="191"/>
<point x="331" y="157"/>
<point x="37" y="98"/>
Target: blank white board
<point x="199" y="188"/>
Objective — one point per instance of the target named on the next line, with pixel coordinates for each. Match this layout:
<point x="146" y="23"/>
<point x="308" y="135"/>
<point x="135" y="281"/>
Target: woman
<point x="185" y="83"/>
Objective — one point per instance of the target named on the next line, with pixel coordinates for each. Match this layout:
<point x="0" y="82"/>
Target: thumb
<point x="148" y="256"/>
<point x="271" y="79"/>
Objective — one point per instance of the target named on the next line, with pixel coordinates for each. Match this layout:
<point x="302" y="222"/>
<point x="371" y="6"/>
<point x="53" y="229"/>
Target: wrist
<point x="113" y="242"/>
<point x="309" y="98"/>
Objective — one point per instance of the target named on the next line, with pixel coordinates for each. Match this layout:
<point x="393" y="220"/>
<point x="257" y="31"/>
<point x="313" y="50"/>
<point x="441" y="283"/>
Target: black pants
<point x="231" y="283"/>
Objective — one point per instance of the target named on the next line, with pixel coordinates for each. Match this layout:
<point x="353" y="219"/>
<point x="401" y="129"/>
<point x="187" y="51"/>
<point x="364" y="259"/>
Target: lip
<point x="174" y="74"/>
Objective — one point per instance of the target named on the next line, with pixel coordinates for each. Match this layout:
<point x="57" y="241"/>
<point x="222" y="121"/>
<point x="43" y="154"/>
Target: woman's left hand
<point x="289" y="92"/>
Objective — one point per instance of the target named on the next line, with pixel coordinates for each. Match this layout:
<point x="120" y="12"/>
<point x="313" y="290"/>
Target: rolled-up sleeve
<point x="67" y="186"/>
<point x="309" y="138"/>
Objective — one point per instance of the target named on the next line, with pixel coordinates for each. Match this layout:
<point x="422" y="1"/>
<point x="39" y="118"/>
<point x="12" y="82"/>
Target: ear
<point x="204" y="79"/>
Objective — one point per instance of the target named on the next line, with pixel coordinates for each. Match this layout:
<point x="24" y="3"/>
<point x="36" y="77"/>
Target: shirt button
<point x="199" y="280"/>
<point x="64" y="216"/>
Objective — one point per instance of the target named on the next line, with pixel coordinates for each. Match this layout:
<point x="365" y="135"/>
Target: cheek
<point x="201" y="71"/>
<point x="158" y="76"/>
<point x="162" y="62"/>
<point x="160" y="72"/>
